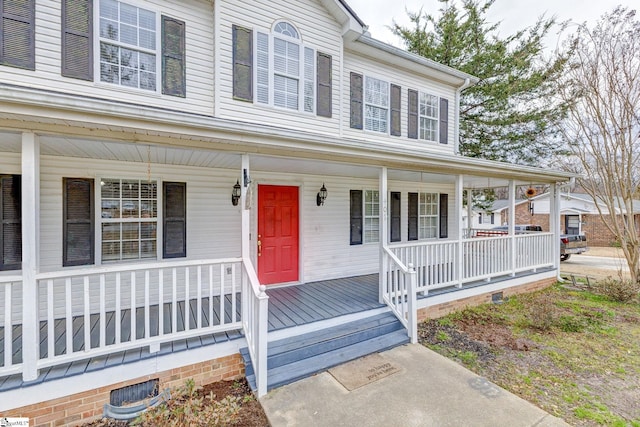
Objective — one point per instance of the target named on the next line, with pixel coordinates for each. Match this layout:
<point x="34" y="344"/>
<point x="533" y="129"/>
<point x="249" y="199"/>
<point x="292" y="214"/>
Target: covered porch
<point x="56" y="316"/>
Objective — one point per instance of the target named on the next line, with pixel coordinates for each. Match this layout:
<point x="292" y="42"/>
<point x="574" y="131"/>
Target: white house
<point x="194" y="171"/>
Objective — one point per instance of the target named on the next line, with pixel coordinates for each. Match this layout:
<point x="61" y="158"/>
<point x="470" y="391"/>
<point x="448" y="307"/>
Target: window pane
<point x="110" y="209"/>
<point x="110" y="251"/>
<point x="130" y="250"/>
<point x="109" y="9"/>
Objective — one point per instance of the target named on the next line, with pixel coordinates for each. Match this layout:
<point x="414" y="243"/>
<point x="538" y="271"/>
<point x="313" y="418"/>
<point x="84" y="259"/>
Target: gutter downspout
<point x="456" y="116"/>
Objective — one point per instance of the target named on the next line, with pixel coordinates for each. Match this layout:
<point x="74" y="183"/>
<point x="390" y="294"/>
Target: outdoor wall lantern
<point x="531" y="207"/>
<point x="322" y="195"/>
<point x="235" y="194"/>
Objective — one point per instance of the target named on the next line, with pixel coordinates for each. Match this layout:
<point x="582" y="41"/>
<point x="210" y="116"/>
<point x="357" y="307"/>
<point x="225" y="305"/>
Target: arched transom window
<point x="286" y="69"/>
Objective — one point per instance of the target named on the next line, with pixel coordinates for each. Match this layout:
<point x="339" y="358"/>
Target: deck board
<point x="288" y="307"/>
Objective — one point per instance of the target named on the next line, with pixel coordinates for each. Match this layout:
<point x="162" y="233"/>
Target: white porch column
<point x="244" y="208"/>
<point x="460" y="227"/>
<point x="512" y="225"/>
<point x="469" y="210"/>
<point x="554" y="223"/>
<point x="383" y="230"/>
<point x="30" y="262"/>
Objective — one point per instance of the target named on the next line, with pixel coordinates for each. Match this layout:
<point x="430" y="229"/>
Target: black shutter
<point x="395" y="217"/>
<point x="356" y="217"/>
<point x="10" y="222"/>
<point x="323" y="102"/>
<point x="413" y="216"/>
<point x="242" y="63"/>
<point x="396" y="99"/>
<point x="77" y="39"/>
<point x="173" y="57"/>
<point x="78" y="227"/>
<point x="444" y="121"/>
<point x="356" y="101"/>
<point x="174" y="244"/>
<point x="412" y="108"/>
<point x="444" y="216"/>
<point x="17" y="33"/>
<point x="492" y="218"/>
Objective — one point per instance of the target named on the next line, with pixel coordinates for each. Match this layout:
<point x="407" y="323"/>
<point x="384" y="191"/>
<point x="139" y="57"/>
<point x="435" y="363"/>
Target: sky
<point x="513" y="15"/>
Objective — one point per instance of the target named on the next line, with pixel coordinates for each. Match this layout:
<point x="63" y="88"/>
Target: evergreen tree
<point x="510" y="115"/>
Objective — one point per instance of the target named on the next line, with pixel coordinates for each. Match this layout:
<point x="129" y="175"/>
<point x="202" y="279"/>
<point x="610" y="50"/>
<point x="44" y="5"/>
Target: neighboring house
<point x="578" y="215"/>
<point x="162" y="161"/>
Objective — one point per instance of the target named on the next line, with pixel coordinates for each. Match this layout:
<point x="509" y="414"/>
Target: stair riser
<point x="315" y="349"/>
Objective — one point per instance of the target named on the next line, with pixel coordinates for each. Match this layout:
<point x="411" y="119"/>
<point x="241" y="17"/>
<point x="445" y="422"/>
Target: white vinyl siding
<point x="318" y="31"/>
<point x="376" y="105"/>
<point x="371" y="218"/>
<point x="428" y="117"/>
<point x="198" y="16"/>
<point x="406" y="79"/>
<point x="428" y="215"/>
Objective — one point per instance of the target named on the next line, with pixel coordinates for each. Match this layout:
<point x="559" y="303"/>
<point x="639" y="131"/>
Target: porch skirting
<point x="438" y="306"/>
<point x="87" y="405"/>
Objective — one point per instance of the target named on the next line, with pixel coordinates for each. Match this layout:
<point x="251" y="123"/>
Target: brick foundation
<point x="441" y="310"/>
<point x="87" y="406"/>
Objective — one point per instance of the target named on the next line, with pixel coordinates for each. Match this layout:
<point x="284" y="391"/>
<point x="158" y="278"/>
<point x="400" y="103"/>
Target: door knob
<point x="259" y="245"/>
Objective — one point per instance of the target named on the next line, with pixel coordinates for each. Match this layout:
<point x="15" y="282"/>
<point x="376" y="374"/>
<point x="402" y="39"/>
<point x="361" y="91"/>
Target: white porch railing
<point x="11" y="303"/>
<point x="255" y="307"/>
<point x="116" y="308"/>
<point x="399" y="291"/>
<point x="438" y="265"/>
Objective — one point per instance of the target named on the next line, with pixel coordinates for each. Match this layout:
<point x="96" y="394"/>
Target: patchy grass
<point x="575" y="354"/>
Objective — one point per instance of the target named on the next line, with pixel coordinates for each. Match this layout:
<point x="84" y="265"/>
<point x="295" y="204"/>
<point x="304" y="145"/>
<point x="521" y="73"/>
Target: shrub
<point x="189" y="408"/>
<point x="543" y="314"/>
<point x="619" y="290"/>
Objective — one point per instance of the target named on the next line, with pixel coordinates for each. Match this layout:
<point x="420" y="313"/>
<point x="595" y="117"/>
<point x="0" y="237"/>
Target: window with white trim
<point x="371" y="216"/>
<point x="428" y="215"/>
<point x="285" y="69"/>
<point x="128" y="45"/>
<point x="376" y="105"/>
<point x="129" y="219"/>
<point x="428" y="117"/>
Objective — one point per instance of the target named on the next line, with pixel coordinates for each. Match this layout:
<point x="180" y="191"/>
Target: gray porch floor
<point x="289" y="306"/>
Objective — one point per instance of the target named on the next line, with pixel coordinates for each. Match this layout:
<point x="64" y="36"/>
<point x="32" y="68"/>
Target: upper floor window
<point x="286" y="69"/>
<point x="137" y="47"/>
<point x="376" y="105"/>
<point x="278" y="69"/>
<point x="128" y="55"/>
<point x="428" y="117"/>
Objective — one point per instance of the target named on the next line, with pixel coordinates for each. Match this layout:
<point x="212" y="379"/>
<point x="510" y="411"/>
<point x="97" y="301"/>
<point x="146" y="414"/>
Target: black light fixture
<point x="235" y="194"/>
<point x="322" y="195"/>
<point x="531" y="207"/>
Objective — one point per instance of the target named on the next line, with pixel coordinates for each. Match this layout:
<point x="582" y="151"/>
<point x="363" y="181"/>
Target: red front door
<point x="277" y="234"/>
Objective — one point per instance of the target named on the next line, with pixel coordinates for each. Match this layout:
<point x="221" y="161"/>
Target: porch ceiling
<point x="53" y="145"/>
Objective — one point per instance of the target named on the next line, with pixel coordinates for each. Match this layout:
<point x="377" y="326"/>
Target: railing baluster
<point x="102" y="321"/>
<point x="234" y="315"/>
<point x="118" y="313"/>
<point x="51" y="339"/>
<point x="199" y="296"/>
<point x="187" y="300"/>
<point x="69" y="316"/>
<point x="174" y="302"/>
<point x="133" y="308"/>
<point x="161" y="302"/>
<point x="223" y="319"/>
<point x="147" y="305"/>
<point x="87" y="315"/>
<point x="210" y="295"/>
<point x="8" y="326"/>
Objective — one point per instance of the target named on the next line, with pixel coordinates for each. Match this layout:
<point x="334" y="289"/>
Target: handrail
<point x="399" y="292"/>
<point x="131" y="267"/>
<point x="10" y="279"/>
<point x="255" y="317"/>
<point x="396" y="260"/>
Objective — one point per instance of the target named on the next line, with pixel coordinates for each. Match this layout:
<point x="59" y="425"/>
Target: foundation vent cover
<point x="134" y="392"/>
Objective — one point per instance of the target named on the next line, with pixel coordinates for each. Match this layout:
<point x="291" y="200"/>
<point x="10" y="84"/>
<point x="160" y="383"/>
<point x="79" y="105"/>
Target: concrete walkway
<point x="427" y="390"/>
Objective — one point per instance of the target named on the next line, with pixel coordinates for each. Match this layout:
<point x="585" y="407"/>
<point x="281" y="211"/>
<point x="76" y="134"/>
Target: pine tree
<point x="510" y="115"/>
